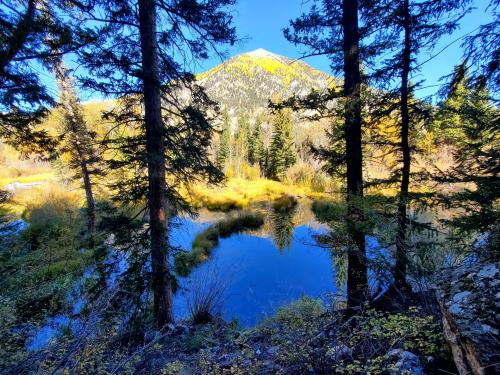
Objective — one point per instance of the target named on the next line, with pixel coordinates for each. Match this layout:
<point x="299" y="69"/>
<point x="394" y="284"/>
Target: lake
<point x="259" y="270"/>
<point x="265" y="269"/>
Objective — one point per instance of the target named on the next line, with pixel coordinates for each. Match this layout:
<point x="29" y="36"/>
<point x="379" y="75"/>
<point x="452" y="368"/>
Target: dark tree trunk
<point x="401" y="260"/>
<point x="78" y="129"/>
<point x="90" y="198"/>
<point x="155" y="149"/>
<point x="357" y="281"/>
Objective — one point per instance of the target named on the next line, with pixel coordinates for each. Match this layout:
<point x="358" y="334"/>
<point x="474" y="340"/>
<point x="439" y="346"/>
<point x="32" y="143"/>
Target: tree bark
<point x="79" y="130"/>
<point x="357" y="280"/>
<point x="87" y="185"/>
<point x="401" y="246"/>
<point x="155" y="148"/>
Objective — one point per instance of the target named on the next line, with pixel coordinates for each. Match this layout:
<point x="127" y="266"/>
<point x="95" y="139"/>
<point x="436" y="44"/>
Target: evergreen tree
<point x="448" y="123"/>
<point x="166" y="112"/>
<point x="482" y="48"/>
<point x="331" y="28"/>
<point x="408" y="27"/>
<point x="255" y="145"/>
<point x="78" y="141"/>
<point x="477" y="167"/>
<point x="241" y="141"/>
<point x="281" y="150"/>
<point x="224" y="138"/>
<point x="30" y="32"/>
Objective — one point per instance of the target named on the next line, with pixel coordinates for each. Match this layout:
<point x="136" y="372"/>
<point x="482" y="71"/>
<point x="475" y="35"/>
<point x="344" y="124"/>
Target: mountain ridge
<point x="244" y="84"/>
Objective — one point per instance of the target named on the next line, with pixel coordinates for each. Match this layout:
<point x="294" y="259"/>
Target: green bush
<point x="299" y="314"/>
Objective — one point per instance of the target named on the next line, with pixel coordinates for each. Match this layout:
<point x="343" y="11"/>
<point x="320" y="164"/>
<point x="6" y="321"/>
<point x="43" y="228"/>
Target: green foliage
<point x="413" y="331"/>
<point x="281" y="152"/>
<point x="207" y="240"/>
<point x="224" y="137"/>
<point x="38" y="267"/>
<point x="476" y="163"/>
<point x="299" y="314"/>
<point x="327" y="211"/>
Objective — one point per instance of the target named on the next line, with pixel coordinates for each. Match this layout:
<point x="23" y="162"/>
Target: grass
<point x="39" y="177"/>
<point x="38" y="266"/>
<point x="239" y="193"/>
<point x="208" y="239"/>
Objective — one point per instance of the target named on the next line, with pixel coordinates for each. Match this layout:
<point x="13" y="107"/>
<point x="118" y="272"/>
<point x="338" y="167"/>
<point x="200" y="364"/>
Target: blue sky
<point x="260" y="23"/>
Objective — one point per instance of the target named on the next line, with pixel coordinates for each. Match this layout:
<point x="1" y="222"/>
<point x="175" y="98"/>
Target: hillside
<point x="244" y="84"/>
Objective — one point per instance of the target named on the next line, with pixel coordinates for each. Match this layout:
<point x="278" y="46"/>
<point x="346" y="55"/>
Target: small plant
<point x="206" y="294"/>
<point x="299" y="314"/>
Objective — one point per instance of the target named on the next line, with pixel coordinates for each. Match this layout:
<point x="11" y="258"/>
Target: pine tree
<point x="477" y="165"/>
<point x="331" y="28"/>
<point x="241" y="142"/>
<point x="168" y="115"/>
<point x="447" y="122"/>
<point x="256" y="146"/>
<point x="281" y="150"/>
<point x="407" y="27"/>
<point x="224" y="139"/>
<point x="78" y="141"/>
<point x="30" y="32"/>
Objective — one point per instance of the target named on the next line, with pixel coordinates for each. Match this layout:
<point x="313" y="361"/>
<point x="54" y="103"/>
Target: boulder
<point x="404" y="363"/>
<point x="469" y="300"/>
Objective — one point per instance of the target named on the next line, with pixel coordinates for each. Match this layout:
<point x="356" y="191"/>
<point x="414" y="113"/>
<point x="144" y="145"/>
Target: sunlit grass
<point x="39" y="177"/>
<point x="37" y="195"/>
<point x="241" y="193"/>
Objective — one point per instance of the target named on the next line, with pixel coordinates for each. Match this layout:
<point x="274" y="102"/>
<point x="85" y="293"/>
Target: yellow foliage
<point x="239" y="193"/>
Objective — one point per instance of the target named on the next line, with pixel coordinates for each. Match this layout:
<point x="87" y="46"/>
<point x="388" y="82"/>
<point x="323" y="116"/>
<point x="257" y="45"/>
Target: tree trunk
<point x="357" y="280"/>
<point x="155" y="148"/>
<point x="401" y="260"/>
<point x="91" y="218"/>
<point x="78" y="129"/>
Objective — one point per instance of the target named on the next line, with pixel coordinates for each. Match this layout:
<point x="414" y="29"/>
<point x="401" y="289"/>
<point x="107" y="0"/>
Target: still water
<point x="259" y="270"/>
<point x="266" y="269"/>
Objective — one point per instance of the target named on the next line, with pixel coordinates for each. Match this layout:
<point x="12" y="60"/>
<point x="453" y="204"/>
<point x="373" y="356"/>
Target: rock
<point x="229" y="359"/>
<point x="273" y="350"/>
<point x="181" y="329"/>
<point x="338" y="353"/>
<point x="405" y="363"/>
<point x="489" y="271"/>
<point x="469" y="299"/>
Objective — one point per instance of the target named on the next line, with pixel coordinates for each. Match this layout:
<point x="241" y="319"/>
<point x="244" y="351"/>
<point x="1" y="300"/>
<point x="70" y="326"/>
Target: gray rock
<point x="229" y="359"/>
<point x="181" y="329"/>
<point x="151" y="335"/>
<point x="405" y="363"/>
<point x="469" y="299"/>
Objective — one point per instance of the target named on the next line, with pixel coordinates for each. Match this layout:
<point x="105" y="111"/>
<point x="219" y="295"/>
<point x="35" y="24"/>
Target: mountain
<point x="244" y="84"/>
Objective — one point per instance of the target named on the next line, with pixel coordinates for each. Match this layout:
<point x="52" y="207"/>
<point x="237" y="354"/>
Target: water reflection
<point x="282" y="225"/>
